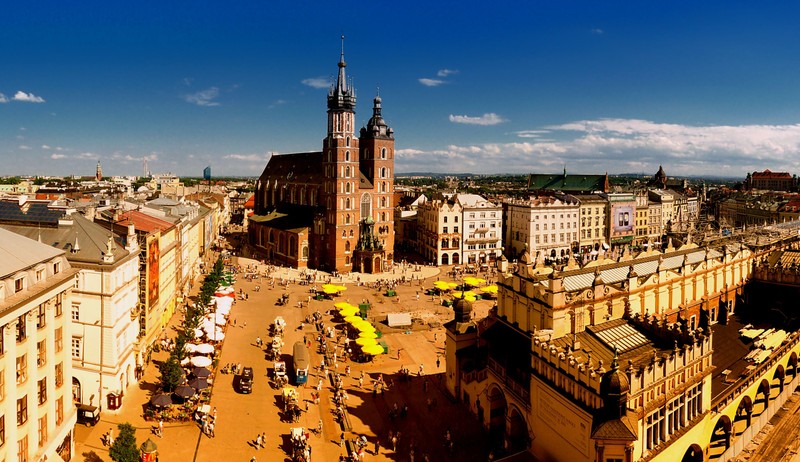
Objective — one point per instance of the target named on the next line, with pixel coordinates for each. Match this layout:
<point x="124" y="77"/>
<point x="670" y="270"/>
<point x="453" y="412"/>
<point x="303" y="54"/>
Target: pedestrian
<point x="438" y="362"/>
<point x="420" y="370"/>
<point x="160" y="428"/>
<point x="394" y="443"/>
<point x="377" y="446"/>
<point x="259" y="441"/>
<point x="341" y="440"/>
<point x="211" y="429"/>
<point x="263" y="439"/>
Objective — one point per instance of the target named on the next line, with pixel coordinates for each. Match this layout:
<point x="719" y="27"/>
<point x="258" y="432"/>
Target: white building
<point x="36" y="411"/>
<point x="439" y="231"/>
<point x="482" y="223"/>
<point x="544" y="225"/>
<point x="104" y="306"/>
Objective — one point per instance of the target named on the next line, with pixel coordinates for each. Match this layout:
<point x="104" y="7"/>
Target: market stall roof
<point x="398" y="319"/>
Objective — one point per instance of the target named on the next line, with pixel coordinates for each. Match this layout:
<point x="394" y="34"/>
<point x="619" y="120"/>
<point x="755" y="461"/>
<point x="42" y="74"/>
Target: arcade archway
<point x="497" y="417"/>
<point x="518" y="439"/>
<point x="693" y="454"/>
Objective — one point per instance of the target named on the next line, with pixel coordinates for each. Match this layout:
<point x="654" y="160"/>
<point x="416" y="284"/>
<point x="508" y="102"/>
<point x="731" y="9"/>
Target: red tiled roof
<point x="251" y="202"/>
<point x="143" y="221"/>
<point x="766" y="174"/>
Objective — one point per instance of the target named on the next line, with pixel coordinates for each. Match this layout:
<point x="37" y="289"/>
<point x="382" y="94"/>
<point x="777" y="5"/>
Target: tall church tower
<point x="376" y="157"/>
<point x="341" y="179"/>
<point x="98" y="173"/>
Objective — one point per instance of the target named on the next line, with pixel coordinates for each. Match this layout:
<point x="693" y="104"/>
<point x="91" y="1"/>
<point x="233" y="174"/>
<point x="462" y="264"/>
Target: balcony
<point x="519" y="389"/>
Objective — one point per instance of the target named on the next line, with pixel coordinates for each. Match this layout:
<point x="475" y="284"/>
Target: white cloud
<point x="446" y="72"/>
<point x="86" y="155"/>
<point x="57" y="156"/>
<point x="598" y="31"/>
<point x="317" y="82"/>
<point x="257" y="158"/>
<point x="487" y="119"/>
<point x="276" y="103"/>
<point x="24" y="147"/>
<point x="431" y="82"/>
<point x="531" y="133"/>
<point x="44" y="146"/>
<point x="27" y="97"/>
<point x="3" y="98"/>
<point x="623" y="146"/>
<point x="203" y="97"/>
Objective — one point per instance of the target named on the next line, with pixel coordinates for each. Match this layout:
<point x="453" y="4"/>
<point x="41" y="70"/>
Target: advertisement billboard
<point x="153" y="260"/>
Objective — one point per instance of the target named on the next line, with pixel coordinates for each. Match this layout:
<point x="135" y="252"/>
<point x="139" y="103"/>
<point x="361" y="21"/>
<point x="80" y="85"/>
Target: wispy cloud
<point x="55" y="156"/>
<point x="316" y="82"/>
<point x="276" y="103"/>
<point x="446" y="72"/>
<point x="598" y="31"/>
<point x="256" y="158"/>
<point x="24" y="147"/>
<point x="203" y="97"/>
<point x="44" y="146"/>
<point x="27" y="97"/>
<point x="622" y="146"/>
<point x="487" y="119"/>
<point x="3" y="98"/>
<point x="431" y="82"/>
<point x="531" y="133"/>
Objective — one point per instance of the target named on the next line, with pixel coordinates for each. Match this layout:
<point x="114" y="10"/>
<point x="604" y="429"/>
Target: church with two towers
<point x="331" y="209"/>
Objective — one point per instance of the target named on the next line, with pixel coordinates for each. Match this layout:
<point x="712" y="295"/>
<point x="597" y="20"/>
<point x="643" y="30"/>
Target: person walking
<point x="377" y="446"/>
<point x="259" y="441"/>
<point x="160" y="428"/>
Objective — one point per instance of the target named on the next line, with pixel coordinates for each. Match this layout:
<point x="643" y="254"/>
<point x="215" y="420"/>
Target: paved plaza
<point x="240" y="417"/>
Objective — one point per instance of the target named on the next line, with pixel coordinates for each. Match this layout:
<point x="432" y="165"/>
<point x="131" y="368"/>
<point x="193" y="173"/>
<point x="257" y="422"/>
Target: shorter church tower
<point x="98" y="173"/>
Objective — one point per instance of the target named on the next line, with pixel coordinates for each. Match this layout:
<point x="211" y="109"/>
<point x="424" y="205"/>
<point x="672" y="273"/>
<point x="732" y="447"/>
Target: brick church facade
<point x="331" y="209"/>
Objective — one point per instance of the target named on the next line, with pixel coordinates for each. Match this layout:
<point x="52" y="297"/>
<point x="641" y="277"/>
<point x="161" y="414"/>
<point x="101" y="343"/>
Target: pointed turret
<point x="341" y="95"/>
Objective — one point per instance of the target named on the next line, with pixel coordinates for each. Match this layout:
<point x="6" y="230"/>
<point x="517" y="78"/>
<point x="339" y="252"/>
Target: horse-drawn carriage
<point x="291" y="405"/>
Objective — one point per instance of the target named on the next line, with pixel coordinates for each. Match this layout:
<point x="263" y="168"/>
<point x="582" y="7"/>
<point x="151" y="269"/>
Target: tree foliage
<point x="125" y="448"/>
<point x="171" y="373"/>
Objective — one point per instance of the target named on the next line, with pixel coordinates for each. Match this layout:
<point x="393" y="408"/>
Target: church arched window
<point x="383" y="153"/>
<point x="347" y="156"/>
<point x="347" y="203"/>
<point x="347" y="172"/>
<point x="366" y="206"/>
<point x="347" y="141"/>
<point x="347" y="187"/>
<point x="347" y="246"/>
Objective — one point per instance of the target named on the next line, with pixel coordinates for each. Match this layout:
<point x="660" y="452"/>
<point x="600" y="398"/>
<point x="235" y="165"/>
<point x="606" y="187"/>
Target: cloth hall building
<point x="331" y="209"/>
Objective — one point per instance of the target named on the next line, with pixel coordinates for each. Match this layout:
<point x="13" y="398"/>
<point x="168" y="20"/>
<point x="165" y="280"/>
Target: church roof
<point x="293" y="219"/>
<point x="301" y="167"/>
<point x="568" y="183"/>
<point x="623" y="428"/>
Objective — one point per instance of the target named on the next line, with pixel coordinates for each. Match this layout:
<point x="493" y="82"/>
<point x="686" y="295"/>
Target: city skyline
<point x="523" y="87"/>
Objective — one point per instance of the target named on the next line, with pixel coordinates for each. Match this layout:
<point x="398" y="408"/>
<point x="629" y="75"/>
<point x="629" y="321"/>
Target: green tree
<point x="125" y="448"/>
<point x="171" y="374"/>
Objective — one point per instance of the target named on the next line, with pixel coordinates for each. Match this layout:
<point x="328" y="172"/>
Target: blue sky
<point x="469" y="86"/>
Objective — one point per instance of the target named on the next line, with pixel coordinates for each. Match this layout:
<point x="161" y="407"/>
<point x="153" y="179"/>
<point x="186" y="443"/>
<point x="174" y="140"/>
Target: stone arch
<point x="518" y="437"/>
<point x="791" y="366"/>
<point x="376" y="264"/>
<point x="764" y="391"/>
<point x="445" y="259"/>
<point x="77" y="393"/>
<point x="305" y="252"/>
<point x="780" y="375"/>
<point x="347" y="246"/>
<point x="694" y="453"/>
<point x="497" y="416"/>
<point x="744" y="412"/>
<point x="722" y="433"/>
<point x="455" y="258"/>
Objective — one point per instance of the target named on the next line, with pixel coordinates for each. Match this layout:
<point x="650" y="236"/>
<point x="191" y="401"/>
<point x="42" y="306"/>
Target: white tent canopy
<point x="204" y="348"/>
<point x="201" y="361"/>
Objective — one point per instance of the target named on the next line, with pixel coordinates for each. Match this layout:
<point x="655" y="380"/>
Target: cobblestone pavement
<point x="241" y="417"/>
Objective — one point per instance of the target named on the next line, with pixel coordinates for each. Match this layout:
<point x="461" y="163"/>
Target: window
<point x="22" y="333"/>
<point x="456" y="219"/>
<point x="347" y="157"/>
<point x="383" y="153"/>
<point x="2" y="385"/>
<point x="2" y="430"/>
<point x="59" y="374"/>
<point x="76" y="312"/>
<point x="41" y="391"/>
<point x="19" y="284"/>
<point x="22" y="449"/>
<point x="41" y="353"/>
<point x="445" y="219"/>
<point x="39" y="275"/>
<point x="76" y="347"/>
<point x="22" y="410"/>
<point x="60" y="410"/>
<point x="41" y="319"/>
<point x="42" y="430"/>
<point x="444" y="229"/>
<point x="22" y="369"/>
<point x="455" y="229"/>
<point x="59" y="339"/>
<point x="56" y="267"/>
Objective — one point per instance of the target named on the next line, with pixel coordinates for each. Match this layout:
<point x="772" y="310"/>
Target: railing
<point x="474" y="376"/>
<point x="520" y="390"/>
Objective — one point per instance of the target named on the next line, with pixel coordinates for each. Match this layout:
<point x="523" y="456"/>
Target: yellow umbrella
<point x="365" y="327"/>
<point x="467" y="294"/>
<point x="350" y="311"/>
<point x="492" y="289"/>
<point x="373" y="350"/>
<point x="330" y="290"/>
<point x="473" y="281"/>
<point x="342" y="305"/>
<point x="366" y="341"/>
<point x="353" y="319"/>
<point x="367" y="335"/>
<point x="441" y="285"/>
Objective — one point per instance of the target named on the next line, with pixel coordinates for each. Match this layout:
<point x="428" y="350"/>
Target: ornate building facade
<point x="310" y="207"/>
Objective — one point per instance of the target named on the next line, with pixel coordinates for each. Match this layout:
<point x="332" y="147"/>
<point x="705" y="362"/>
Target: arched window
<point x="383" y="153"/>
<point x="366" y="206"/>
<point x="347" y="156"/>
<point x="347" y="187"/>
<point x="351" y="233"/>
<point x="347" y="219"/>
<point x="347" y="246"/>
<point x="344" y="233"/>
<point x="347" y="203"/>
<point x="347" y="261"/>
<point x="347" y="172"/>
<point x="347" y="141"/>
<point x="445" y="219"/>
<point x="305" y="252"/>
